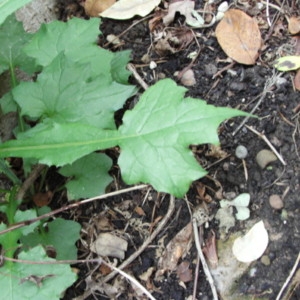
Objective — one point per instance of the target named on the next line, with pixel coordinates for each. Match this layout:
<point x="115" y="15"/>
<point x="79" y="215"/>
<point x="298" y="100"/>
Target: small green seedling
<point x="241" y="203"/>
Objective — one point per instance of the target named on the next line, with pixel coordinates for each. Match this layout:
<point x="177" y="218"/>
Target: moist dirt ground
<point x="278" y="119"/>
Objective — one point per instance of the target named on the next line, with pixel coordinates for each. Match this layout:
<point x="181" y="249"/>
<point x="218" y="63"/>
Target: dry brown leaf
<point x="94" y="7"/>
<point x="210" y="250"/>
<point x="139" y="211"/>
<point x="42" y="199"/>
<point x="239" y="36"/>
<point x="108" y="244"/>
<point x="294" y="25"/>
<point x="185" y="8"/>
<point x="172" y="40"/>
<point x="297" y="80"/>
<point x="176" y="248"/>
<point x="184" y="273"/>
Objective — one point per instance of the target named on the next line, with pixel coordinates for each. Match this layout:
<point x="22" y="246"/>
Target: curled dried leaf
<point x="239" y="36"/>
<point x="94" y="7"/>
<point x="294" y="25"/>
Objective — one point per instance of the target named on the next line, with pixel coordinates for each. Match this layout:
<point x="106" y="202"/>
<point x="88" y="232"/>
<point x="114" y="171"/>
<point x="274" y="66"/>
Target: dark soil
<point x="278" y="119"/>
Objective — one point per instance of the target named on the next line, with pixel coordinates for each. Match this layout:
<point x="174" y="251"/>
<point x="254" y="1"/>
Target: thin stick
<point x="137" y="76"/>
<point x="132" y="280"/>
<point x="268" y="143"/>
<point x="196" y="278"/>
<point x="30" y="180"/>
<point x="76" y="204"/>
<point x="140" y="250"/>
<point x="289" y="277"/>
<point x="203" y="261"/>
<point x="267" y="88"/>
<point x="147" y="241"/>
<point x="251" y="113"/>
<point x="127" y="29"/>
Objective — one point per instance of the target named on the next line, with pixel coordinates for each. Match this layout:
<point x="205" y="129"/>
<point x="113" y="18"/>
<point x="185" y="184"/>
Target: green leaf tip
<point x="160" y="130"/>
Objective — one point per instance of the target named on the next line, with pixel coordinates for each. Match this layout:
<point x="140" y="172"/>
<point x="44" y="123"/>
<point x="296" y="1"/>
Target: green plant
<point x="72" y="104"/>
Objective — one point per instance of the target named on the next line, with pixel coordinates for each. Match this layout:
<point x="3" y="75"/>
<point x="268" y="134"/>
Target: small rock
<point x="264" y="157"/>
<point x="265" y="260"/>
<point x="276" y="202"/>
<point x="241" y="152"/>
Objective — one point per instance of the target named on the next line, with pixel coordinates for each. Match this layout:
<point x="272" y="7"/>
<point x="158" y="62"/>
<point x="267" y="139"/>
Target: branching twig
<point x="147" y="241"/>
<point x="267" y="88"/>
<point x="268" y="143"/>
<point x="76" y="204"/>
<point x="140" y="250"/>
<point x="289" y="277"/>
<point x="137" y="76"/>
<point x="203" y="261"/>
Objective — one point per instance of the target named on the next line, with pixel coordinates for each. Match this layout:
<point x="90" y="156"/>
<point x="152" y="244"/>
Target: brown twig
<point x="76" y="204"/>
<point x="140" y="250"/>
<point x="261" y="135"/>
<point x="126" y="30"/>
<point x="147" y="241"/>
<point x="289" y="277"/>
<point x="137" y="76"/>
<point x="203" y="261"/>
<point x="35" y="173"/>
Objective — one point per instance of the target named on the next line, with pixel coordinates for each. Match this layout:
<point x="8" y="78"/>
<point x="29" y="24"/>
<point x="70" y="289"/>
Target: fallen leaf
<point x="210" y="250"/>
<point x="139" y="211"/>
<point x="241" y="203"/>
<point x="183" y="271"/>
<point x="172" y="40"/>
<point x="108" y="244"/>
<point x="252" y="245"/>
<point x="94" y="7"/>
<point x="176" y="248"/>
<point x="127" y="9"/>
<point x="202" y="195"/>
<point x="146" y="275"/>
<point x="185" y="8"/>
<point x="42" y="199"/>
<point x="297" y="80"/>
<point x="294" y="25"/>
<point x="239" y="36"/>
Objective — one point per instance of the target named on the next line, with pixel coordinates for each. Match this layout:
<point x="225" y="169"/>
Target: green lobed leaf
<point x="288" y="63"/>
<point x="7" y="7"/>
<point x="72" y="37"/>
<point x="61" y="234"/>
<point x="17" y="279"/>
<point x="65" y="92"/>
<point x="159" y="131"/>
<point x="13" y="38"/>
<point x="10" y="239"/>
<point x="154" y="139"/>
<point x="7" y="103"/>
<point x="89" y="176"/>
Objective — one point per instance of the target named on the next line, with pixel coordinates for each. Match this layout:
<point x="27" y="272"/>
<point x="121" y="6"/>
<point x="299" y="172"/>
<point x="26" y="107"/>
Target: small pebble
<point x="265" y="260"/>
<point x="264" y="157"/>
<point x="276" y="202"/>
<point x="241" y="152"/>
